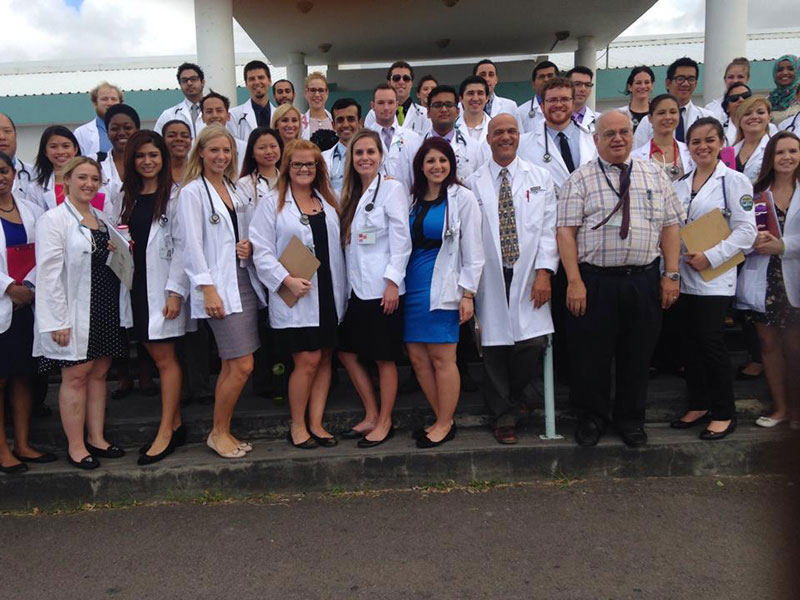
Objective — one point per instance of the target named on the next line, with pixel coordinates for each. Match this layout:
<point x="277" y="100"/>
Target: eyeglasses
<point x="562" y="100"/>
<point x="441" y="105"/>
<point x="610" y="134"/>
<point x="737" y="97"/>
<point x="313" y="91"/>
<point x="583" y="84"/>
<point x="193" y="79"/>
<point x="683" y="79"/>
<point x="299" y="166"/>
<point x="405" y="78"/>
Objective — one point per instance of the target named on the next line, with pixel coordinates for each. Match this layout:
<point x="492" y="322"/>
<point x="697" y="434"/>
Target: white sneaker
<point x="767" y="422"/>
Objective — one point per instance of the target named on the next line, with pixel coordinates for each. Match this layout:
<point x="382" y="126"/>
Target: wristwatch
<point x="672" y="275"/>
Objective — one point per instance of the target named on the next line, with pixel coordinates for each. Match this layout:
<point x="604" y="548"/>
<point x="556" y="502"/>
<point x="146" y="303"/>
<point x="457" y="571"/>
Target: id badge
<point x="165" y="248"/>
<point x="368" y="235"/>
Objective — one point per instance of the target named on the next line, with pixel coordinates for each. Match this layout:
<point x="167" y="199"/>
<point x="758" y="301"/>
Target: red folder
<point x="99" y="200"/>
<point x="728" y="156"/>
<point x="766" y="216"/>
<point x="21" y="260"/>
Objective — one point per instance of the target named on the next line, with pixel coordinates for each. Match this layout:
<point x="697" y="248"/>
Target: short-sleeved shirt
<point x="587" y="198"/>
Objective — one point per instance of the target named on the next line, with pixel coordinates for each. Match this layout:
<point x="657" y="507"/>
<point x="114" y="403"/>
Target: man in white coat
<point x="495" y="104"/>
<point x="92" y="136"/>
<point x="582" y="79"/>
<point x="192" y="81"/>
<point x="474" y="93"/>
<point x="214" y="109"/>
<point x="518" y="206"/>
<point x="530" y="113"/>
<point x="8" y="145"/>
<point x="409" y="115"/>
<point x="557" y="144"/>
<point x="346" y="121"/>
<point x="256" y="111"/>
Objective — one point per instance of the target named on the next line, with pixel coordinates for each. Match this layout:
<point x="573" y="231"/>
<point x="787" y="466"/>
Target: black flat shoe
<point x="111" y="452"/>
<point x="307" y="445"/>
<point x="707" y="434"/>
<point x="588" y="432"/>
<point x="352" y="434"/>
<point x="426" y="442"/>
<point x="179" y="436"/>
<point x="87" y="463"/>
<point x="365" y="443"/>
<point x="678" y="424"/>
<point x="146" y="459"/>
<point x="324" y="442"/>
<point x="46" y="457"/>
<point x="14" y="470"/>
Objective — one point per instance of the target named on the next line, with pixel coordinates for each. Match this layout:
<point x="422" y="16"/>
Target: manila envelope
<point x="300" y="262"/>
<point x="706" y="232"/>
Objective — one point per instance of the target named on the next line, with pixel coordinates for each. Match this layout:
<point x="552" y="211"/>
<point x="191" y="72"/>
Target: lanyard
<point x="608" y="181"/>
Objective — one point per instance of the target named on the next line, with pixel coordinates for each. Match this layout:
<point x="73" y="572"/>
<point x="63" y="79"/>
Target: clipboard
<point x="300" y="262"/>
<point x="21" y="259"/>
<point x="706" y="232"/>
<point x="121" y="260"/>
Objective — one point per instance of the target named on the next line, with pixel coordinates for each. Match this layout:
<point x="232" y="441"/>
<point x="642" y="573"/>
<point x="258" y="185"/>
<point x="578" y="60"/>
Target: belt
<point x="626" y="270"/>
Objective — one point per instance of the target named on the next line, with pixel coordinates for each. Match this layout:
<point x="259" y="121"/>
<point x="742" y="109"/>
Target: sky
<point x="88" y="28"/>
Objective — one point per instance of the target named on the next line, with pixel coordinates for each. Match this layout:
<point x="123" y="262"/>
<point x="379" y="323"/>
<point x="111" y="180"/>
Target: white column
<point x="296" y="72"/>
<point x="586" y="56"/>
<point x="726" y="38"/>
<point x="213" y="22"/>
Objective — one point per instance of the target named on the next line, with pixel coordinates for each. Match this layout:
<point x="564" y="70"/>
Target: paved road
<point x="640" y="539"/>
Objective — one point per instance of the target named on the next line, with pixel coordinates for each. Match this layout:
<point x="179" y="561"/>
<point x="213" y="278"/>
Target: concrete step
<point x="472" y="458"/>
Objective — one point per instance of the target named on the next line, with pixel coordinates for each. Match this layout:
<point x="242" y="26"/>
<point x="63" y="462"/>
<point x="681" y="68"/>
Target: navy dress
<point x="16" y="343"/>
<point x="422" y="324"/>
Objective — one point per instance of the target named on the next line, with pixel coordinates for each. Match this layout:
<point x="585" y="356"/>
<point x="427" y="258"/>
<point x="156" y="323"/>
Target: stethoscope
<point x="163" y="220"/>
<point x="726" y="212"/>
<point x="101" y="226"/>
<point x="449" y="232"/>
<point x="214" y="219"/>
<point x="792" y="126"/>
<point x="532" y="111"/>
<point x="24" y="171"/>
<point x="303" y="216"/>
<point x="369" y="207"/>
<point x="459" y="137"/>
<point x="546" y="157"/>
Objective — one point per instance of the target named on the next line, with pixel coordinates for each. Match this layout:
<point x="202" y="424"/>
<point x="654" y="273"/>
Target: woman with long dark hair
<point x="56" y="147"/>
<point x="262" y="163"/>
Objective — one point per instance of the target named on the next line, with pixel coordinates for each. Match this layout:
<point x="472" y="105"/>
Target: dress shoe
<point x="307" y="445"/>
<point x="238" y="453"/>
<point x="588" y="432"/>
<point x="87" y="463"/>
<point x="178" y="440"/>
<point x="506" y="434"/>
<point x="762" y="421"/>
<point x="707" y="434"/>
<point x="426" y="442"/>
<point x="46" y="457"/>
<point x="14" y="469"/>
<point x="365" y="443"/>
<point x="111" y="452"/>
<point x="352" y="434"/>
<point x="325" y="442"/>
<point x="634" y="438"/>
<point x="679" y="424"/>
<point x="147" y="459"/>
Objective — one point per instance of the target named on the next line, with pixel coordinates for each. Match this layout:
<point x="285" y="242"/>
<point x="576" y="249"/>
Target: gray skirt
<point x="237" y="334"/>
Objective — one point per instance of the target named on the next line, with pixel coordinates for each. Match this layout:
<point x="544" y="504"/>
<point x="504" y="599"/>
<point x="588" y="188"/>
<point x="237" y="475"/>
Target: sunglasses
<point x="737" y="97"/>
<point x="405" y="78"/>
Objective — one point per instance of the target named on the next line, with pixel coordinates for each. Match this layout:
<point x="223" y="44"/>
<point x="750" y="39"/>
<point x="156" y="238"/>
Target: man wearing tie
<point x="192" y="81"/>
<point x="615" y="217"/>
<point x="399" y="144"/>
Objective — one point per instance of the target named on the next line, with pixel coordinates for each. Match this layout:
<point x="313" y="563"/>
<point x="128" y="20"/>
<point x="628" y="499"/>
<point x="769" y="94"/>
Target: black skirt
<point x="16" y="345"/>
<point x="371" y="334"/>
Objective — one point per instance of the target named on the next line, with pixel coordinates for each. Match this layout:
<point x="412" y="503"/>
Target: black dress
<point x="106" y="337"/>
<point x="779" y="311"/>
<point x="139" y="224"/>
<point x="307" y="339"/>
<point x="16" y="343"/>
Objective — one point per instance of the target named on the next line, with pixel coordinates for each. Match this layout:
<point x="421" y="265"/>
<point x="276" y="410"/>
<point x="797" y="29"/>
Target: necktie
<point x="401" y="114"/>
<point x="679" y="133"/>
<point x="509" y="242"/>
<point x="624" y="203"/>
<point x="488" y="108"/>
<point x="194" y="111"/>
<point x="387" y="134"/>
<point x="566" y="153"/>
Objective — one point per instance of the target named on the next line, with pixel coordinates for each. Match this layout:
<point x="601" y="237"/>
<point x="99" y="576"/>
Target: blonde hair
<point x="194" y="164"/>
<point x="95" y="92"/>
<point x="739" y="61"/>
<point x="77" y="161"/>
<point x="281" y="112"/>
<point x="321" y="181"/>
<point x="744" y="107"/>
<point x="351" y="185"/>
<point x="316" y="75"/>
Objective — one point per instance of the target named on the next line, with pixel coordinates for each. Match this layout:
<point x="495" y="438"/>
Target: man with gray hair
<point x="615" y="218"/>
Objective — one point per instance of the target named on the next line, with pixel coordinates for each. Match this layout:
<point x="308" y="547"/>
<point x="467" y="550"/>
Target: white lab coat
<point x="255" y="188"/>
<point x="645" y="130"/>
<point x="385" y="229"/>
<point x="182" y="112"/>
<point x="29" y="213"/>
<point x="469" y="155"/>
<point x="643" y="153"/>
<point x="790" y="124"/>
<point x="459" y="262"/>
<point x="751" y="289"/>
<point x="589" y="120"/>
<point x="753" y="165"/>
<point x="210" y="250"/>
<point x="480" y="136"/>
<point x="45" y="196"/>
<point x="530" y="115"/>
<point x="502" y="105"/>
<point x="627" y="110"/>
<point x="63" y="283"/>
<point x="398" y="160"/>
<point x="716" y="110"/>
<point x="305" y="119"/>
<point x="270" y="232"/>
<point x="23" y="179"/>
<point x="111" y="176"/>
<point x="88" y="137"/>
<point x="534" y="145"/>
<point x="243" y="119"/>
<point x="737" y="189"/>
<point x="416" y="120"/>
<point x="504" y="322"/>
<point x="335" y="157"/>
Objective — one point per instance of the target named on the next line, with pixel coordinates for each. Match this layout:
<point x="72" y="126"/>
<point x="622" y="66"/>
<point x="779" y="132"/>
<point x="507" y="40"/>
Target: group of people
<point x="414" y="228"/>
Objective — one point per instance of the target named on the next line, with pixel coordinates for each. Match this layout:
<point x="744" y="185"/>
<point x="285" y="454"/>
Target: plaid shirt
<point x="586" y="199"/>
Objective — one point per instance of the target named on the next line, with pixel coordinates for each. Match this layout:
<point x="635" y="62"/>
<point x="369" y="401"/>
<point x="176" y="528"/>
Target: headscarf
<point x="781" y="97"/>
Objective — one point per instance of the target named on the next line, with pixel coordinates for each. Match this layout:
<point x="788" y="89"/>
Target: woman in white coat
<point x="703" y="305"/>
<point x="57" y="147"/>
<point x="262" y="161"/>
<point x="122" y="121"/>
<point x="441" y="280"/>
<point x="377" y="244"/>
<point x="159" y="280"/>
<point x="80" y="309"/>
<point x="17" y="365"/>
<point x="769" y="283"/>
<point x="663" y="148"/>
<point x="304" y="207"/>
<point x="752" y="135"/>
<point x="224" y="289"/>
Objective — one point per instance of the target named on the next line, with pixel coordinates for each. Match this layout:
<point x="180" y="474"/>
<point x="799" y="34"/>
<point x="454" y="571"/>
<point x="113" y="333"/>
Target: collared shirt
<point x="586" y="198"/>
<point x="488" y="108"/>
<point x="105" y="143"/>
<point x="337" y="166"/>
<point x="406" y="106"/>
<point x="573" y="139"/>
<point x="263" y="114"/>
<point x="447" y="136"/>
<point x="578" y="115"/>
<point x="495" y="169"/>
<point x="477" y="133"/>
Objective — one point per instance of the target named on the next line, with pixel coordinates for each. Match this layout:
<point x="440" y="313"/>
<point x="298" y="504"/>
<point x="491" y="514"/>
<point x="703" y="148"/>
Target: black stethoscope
<point x="214" y="219"/>
<point x="101" y="226"/>
<point x="546" y="157"/>
<point x="303" y="216"/>
<point x="24" y="171"/>
<point x="371" y="204"/>
<point x="532" y="111"/>
<point x="792" y="126"/>
<point x="459" y="137"/>
<point x="448" y="232"/>
<point x="726" y="212"/>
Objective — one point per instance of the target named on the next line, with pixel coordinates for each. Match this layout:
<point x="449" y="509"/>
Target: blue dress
<point x="421" y="323"/>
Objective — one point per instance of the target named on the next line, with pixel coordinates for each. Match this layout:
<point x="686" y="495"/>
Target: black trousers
<point x="621" y="324"/>
<point x="509" y="378"/>
<point x="708" y="364"/>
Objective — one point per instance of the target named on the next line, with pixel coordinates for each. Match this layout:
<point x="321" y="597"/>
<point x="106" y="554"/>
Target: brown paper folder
<point x="706" y="232"/>
<point x="300" y="262"/>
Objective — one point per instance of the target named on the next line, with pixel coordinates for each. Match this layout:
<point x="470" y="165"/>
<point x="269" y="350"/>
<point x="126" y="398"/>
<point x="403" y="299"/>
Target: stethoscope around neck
<point x="23" y="171"/>
<point x="214" y="219"/>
